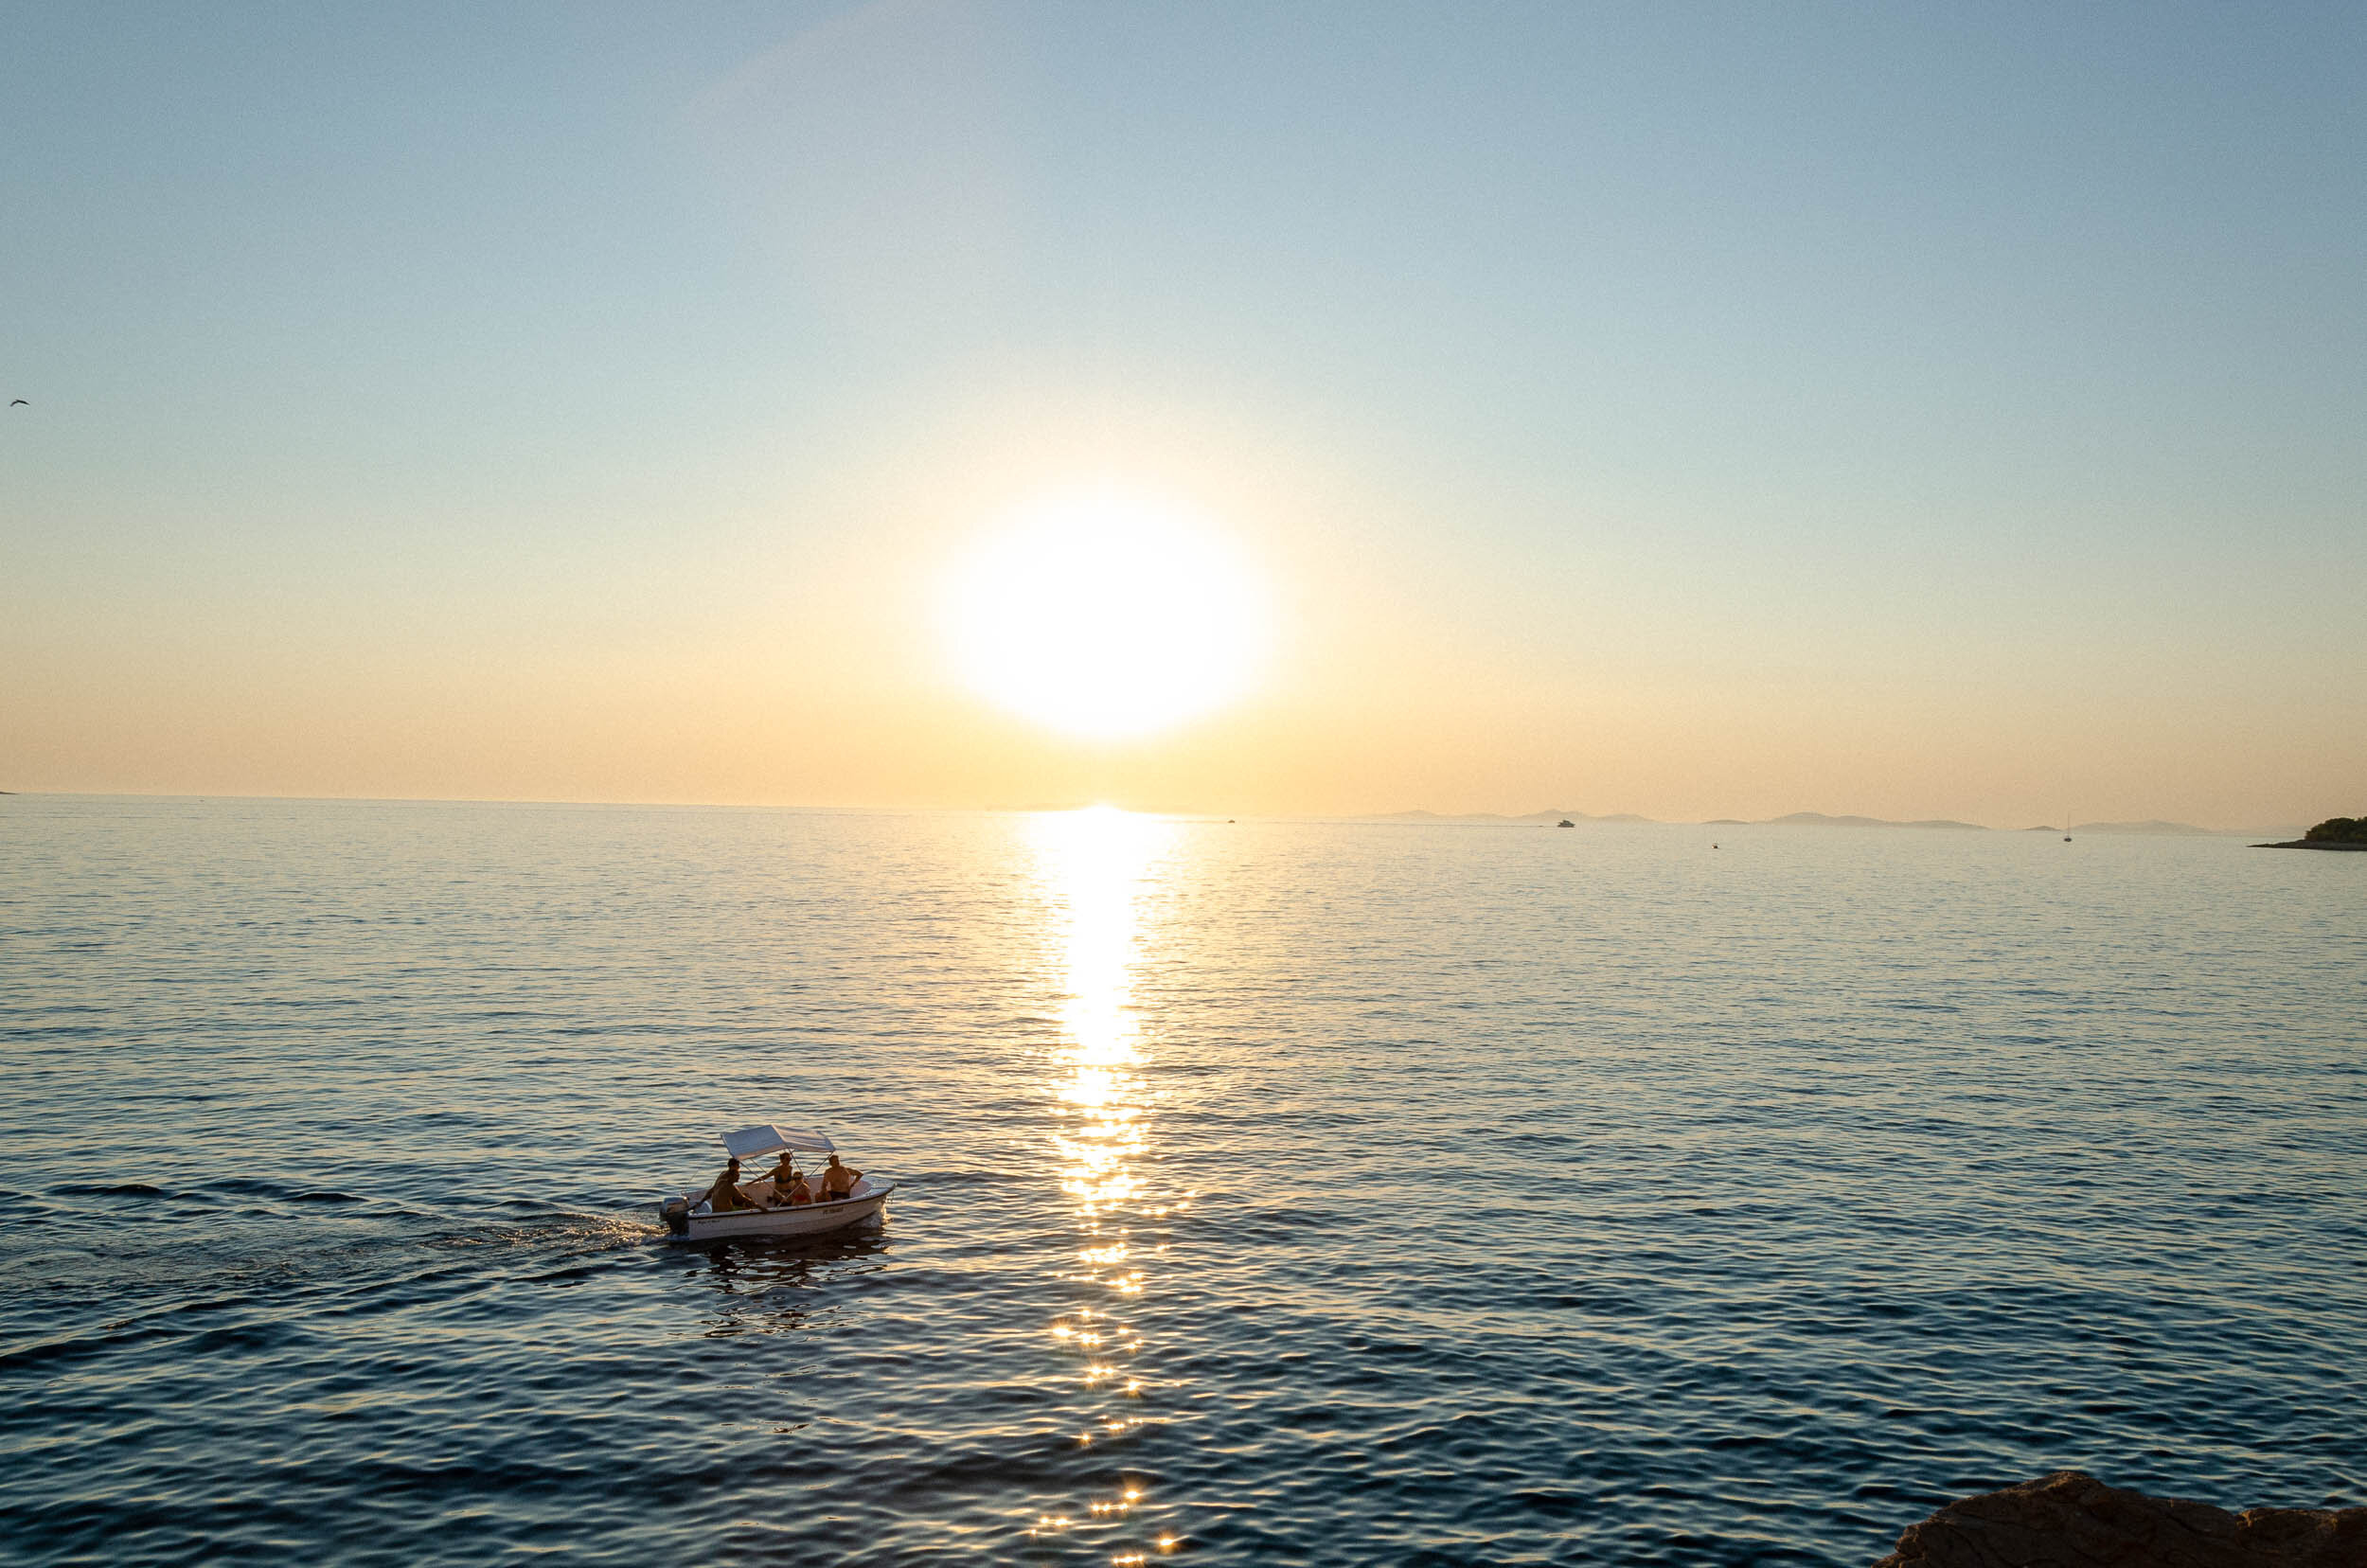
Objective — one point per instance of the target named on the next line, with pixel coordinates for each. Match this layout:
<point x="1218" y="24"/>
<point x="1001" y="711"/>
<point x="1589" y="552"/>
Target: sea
<point x="1267" y="1192"/>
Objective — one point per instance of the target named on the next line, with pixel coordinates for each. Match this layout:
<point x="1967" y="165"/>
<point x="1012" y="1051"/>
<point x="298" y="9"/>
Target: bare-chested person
<point x="839" y="1179"/>
<point x="725" y="1193"/>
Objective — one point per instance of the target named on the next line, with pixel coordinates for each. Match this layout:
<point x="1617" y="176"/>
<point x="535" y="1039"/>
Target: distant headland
<point x="1565" y="818"/>
<point x="2333" y="833"/>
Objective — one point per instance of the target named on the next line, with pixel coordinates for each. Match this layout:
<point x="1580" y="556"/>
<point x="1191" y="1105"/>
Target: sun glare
<point x="1106" y="615"/>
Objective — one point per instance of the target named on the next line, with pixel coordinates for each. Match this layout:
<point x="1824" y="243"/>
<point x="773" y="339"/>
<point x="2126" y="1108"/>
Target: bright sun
<point x="1106" y="614"/>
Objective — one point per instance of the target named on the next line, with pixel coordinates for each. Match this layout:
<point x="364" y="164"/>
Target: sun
<point x="1106" y="614"/>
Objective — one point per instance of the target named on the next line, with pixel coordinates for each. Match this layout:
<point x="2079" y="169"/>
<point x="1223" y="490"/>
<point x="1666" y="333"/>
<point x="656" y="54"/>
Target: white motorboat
<point x="689" y="1219"/>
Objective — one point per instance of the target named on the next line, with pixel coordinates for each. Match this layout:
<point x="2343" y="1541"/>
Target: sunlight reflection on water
<point x="1094" y="865"/>
<point x="1800" y="1186"/>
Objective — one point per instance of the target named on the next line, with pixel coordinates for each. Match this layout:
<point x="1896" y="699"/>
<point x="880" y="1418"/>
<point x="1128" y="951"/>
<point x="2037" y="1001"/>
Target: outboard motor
<point x="676" y="1213"/>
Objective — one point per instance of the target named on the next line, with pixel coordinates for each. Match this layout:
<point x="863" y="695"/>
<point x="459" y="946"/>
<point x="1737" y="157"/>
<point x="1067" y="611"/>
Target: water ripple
<point x="1270" y="1192"/>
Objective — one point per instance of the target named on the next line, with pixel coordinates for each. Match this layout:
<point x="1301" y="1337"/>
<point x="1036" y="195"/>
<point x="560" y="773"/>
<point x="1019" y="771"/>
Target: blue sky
<point x="1980" y="377"/>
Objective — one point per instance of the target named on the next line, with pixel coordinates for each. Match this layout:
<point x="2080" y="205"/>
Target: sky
<point x="1715" y="410"/>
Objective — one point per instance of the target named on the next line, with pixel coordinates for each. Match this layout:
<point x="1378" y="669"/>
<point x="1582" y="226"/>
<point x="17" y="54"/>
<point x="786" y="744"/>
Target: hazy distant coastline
<point x="2154" y="827"/>
<point x="2149" y="827"/>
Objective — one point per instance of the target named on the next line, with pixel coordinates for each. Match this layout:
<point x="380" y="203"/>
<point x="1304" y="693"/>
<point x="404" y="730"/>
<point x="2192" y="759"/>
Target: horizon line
<point x="1415" y="816"/>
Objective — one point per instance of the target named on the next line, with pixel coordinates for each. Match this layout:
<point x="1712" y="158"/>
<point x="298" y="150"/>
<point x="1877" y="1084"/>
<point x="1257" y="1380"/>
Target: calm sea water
<point x="1272" y="1192"/>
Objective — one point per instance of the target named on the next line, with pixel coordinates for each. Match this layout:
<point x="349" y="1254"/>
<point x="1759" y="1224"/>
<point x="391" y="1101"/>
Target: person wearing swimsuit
<point x="782" y="1176"/>
<point x="839" y="1181"/>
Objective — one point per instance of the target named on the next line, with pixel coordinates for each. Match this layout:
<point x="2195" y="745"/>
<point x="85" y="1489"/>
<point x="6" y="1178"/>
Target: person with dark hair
<point x="839" y="1181"/>
<point x="725" y="1193"/>
<point x="783" y="1175"/>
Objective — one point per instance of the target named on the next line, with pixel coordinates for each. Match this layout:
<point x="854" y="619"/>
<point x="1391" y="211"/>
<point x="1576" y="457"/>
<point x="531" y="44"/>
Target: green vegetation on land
<point x="2337" y="830"/>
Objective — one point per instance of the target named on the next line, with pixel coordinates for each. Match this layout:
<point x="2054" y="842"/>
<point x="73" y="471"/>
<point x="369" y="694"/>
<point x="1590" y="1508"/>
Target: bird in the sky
<point x="19" y="402"/>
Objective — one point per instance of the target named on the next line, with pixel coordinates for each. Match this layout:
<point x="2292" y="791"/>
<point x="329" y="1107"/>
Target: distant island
<point x="2333" y="833"/>
<point x="1566" y="818"/>
<point x="1818" y="819"/>
<point x="1557" y="819"/>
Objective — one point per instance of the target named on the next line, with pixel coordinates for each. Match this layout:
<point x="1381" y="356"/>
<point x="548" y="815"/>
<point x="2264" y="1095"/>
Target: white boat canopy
<point x="764" y="1138"/>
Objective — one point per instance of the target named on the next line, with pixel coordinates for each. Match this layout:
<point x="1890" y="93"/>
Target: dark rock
<point x="2072" y="1520"/>
<point x="2333" y="833"/>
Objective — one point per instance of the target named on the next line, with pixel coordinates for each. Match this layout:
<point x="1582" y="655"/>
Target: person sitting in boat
<point x="800" y="1190"/>
<point x="839" y="1181"/>
<point x="725" y="1193"/>
<point x="783" y="1176"/>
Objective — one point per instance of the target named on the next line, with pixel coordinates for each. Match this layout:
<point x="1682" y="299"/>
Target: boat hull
<point x="868" y="1203"/>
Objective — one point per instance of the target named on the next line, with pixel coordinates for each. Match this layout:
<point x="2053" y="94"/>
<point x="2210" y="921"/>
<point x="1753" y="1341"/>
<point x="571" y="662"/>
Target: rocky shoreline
<point x="2072" y="1520"/>
<point x="2333" y="833"/>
